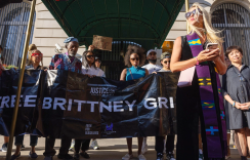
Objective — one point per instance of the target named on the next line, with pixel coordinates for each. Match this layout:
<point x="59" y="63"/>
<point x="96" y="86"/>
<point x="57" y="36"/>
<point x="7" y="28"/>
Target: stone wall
<point x="47" y="33"/>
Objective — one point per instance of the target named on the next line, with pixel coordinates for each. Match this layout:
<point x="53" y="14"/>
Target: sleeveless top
<point x="137" y="72"/>
<point x="189" y="93"/>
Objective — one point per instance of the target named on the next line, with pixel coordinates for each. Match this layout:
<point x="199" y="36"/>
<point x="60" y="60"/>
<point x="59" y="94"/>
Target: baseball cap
<point x="165" y="55"/>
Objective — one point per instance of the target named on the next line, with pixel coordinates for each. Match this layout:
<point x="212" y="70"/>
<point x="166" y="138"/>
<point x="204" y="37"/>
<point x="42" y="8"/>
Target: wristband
<point x="234" y="104"/>
<point x="197" y="61"/>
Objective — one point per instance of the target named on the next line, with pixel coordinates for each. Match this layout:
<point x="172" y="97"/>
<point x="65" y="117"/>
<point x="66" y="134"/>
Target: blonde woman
<point x="34" y="61"/>
<point x="203" y="98"/>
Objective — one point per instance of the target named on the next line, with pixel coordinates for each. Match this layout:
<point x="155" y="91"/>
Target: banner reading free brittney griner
<point x="77" y="106"/>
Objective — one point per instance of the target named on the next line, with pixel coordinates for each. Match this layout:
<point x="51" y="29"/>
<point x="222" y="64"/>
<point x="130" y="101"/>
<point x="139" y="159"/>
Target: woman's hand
<point x="242" y="106"/>
<point x="237" y="105"/>
<point x="91" y="48"/>
<point x="208" y="55"/>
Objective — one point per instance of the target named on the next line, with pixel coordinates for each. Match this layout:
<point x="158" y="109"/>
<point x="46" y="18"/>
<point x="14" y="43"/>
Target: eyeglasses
<point x="165" y="62"/>
<point x="90" y="56"/>
<point x="188" y="14"/>
<point x="133" y="59"/>
<point x="36" y="54"/>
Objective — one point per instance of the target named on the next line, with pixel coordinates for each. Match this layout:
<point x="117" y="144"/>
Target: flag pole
<point x="20" y="81"/>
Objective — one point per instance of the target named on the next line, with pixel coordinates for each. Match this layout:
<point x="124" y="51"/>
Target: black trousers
<point x="49" y="146"/>
<point x="159" y="143"/>
<point x="81" y="143"/>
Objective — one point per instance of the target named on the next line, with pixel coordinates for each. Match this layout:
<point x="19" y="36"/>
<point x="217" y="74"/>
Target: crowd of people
<point x="190" y="126"/>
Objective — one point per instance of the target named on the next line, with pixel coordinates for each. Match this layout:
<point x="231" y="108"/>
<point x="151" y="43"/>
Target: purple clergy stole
<point x="212" y="105"/>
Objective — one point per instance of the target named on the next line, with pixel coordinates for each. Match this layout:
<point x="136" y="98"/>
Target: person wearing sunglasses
<point x="89" y="65"/>
<point x="133" y="59"/>
<point x="35" y="59"/>
<point x="194" y="102"/>
<point x="159" y="140"/>
<point x="236" y="88"/>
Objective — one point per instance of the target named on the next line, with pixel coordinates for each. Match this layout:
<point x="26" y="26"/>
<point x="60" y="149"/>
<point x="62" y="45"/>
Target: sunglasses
<point x="188" y="14"/>
<point x="36" y="54"/>
<point x="165" y="62"/>
<point x="90" y="56"/>
<point x="133" y="59"/>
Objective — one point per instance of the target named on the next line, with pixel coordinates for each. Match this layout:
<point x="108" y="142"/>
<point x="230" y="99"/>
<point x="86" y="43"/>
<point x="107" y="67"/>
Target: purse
<point x="186" y="77"/>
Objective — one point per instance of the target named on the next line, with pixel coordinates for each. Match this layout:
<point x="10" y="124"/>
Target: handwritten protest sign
<point x="102" y="43"/>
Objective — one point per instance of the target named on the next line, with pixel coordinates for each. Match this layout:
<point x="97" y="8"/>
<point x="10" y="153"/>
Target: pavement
<point x="110" y="149"/>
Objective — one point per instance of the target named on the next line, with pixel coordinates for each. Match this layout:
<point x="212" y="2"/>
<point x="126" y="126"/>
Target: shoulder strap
<point x="131" y="73"/>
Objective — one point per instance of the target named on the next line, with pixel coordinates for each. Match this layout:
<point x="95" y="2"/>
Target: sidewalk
<point x="110" y="149"/>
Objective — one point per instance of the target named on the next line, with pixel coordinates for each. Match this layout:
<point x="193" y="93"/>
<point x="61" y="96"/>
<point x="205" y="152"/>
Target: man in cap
<point x="151" y="66"/>
<point x="69" y="62"/>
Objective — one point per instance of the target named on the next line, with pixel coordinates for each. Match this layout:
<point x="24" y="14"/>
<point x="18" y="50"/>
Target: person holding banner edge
<point x="88" y="68"/>
<point x="134" y="58"/>
<point x="69" y="62"/>
<point x="34" y="59"/>
<point x="203" y="97"/>
<point x="159" y="140"/>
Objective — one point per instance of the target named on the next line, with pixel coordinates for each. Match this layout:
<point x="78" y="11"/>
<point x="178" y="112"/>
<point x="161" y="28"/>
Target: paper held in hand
<point x="102" y="43"/>
<point x="186" y="77"/>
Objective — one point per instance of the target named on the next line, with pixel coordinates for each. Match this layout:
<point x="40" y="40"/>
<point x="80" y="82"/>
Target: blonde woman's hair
<point x="29" y="57"/>
<point x="212" y="33"/>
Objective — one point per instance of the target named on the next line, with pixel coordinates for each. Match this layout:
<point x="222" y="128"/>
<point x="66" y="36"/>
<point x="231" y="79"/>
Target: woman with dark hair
<point x="88" y="68"/>
<point x="236" y="87"/>
<point x="88" y="64"/>
<point x="134" y="59"/>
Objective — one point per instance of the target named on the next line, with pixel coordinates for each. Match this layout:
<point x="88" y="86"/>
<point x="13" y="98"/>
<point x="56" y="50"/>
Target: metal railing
<point x="234" y="22"/>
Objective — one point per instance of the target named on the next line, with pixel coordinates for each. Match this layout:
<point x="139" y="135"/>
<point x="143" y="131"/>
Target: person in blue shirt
<point x="134" y="59"/>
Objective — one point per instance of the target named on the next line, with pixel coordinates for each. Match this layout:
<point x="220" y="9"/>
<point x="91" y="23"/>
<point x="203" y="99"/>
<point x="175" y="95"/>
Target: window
<point x="233" y="21"/>
<point x="13" y="25"/>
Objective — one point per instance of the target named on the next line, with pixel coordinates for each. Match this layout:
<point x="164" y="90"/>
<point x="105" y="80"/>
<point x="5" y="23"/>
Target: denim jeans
<point x="33" y="140"/>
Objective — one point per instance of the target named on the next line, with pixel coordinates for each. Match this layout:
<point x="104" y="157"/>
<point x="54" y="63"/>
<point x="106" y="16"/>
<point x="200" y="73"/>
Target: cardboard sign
<point x="102" y="43"/>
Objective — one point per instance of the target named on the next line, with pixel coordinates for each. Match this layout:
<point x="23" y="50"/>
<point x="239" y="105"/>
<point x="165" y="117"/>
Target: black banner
<point x="61" y="103"/>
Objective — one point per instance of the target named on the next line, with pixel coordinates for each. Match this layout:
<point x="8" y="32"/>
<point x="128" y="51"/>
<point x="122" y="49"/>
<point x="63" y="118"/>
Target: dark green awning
<point x="146" y="22"/>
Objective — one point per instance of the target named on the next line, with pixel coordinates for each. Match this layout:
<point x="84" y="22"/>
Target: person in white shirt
<point x="151" y="66"/>
<point x="88" y="65"/>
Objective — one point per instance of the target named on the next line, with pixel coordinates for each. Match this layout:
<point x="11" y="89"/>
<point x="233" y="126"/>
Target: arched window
<point x="13" y="26"/>
<point x="234" y="21"/>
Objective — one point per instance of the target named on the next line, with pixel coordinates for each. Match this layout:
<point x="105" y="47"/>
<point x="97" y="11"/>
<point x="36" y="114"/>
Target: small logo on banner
<point x="204" y="81"/>
<point x="194" y="42"/>
<point x="208" y="105"/>
<point x="109" y="129"/>
<point x="212" y="131"/>
<point x="222" y="115"/>
<point x="102" y="89"/>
